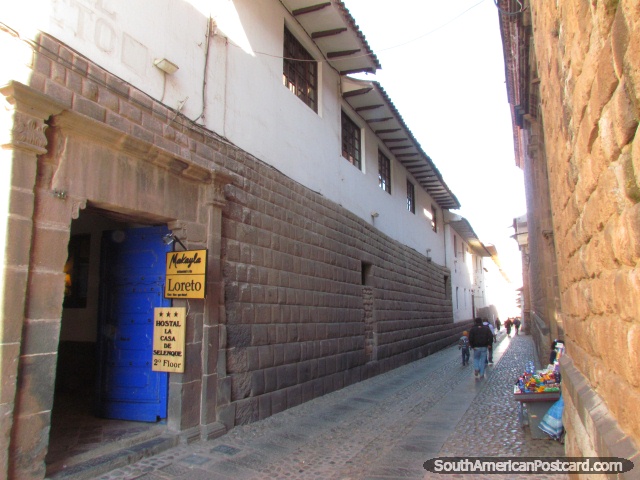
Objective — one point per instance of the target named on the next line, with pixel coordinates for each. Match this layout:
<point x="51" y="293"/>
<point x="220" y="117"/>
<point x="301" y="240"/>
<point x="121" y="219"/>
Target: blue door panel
<point x="135" y="301"/>
<point x="132" y="285"/>
<point x="123" y="383"/>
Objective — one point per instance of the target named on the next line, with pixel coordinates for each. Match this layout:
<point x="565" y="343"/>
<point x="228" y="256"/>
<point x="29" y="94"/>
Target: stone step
<point x="91" y="464"/>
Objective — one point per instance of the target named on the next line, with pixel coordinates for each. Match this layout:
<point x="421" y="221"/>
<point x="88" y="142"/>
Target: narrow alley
<point x="382" y="428"/>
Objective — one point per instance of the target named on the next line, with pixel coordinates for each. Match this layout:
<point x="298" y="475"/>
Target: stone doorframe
<point x="49" y="179"/>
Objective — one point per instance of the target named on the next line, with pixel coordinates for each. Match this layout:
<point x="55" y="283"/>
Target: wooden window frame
<point x="384" y="172"/>
<point x="411" y="197"/>
<point x="434" y="219"/>
<point x="351" y="141"/>
<point x="299" y="71"/>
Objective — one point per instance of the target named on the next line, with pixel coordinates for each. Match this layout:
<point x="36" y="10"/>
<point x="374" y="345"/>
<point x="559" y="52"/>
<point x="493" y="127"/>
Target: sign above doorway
<point x="186" y="274"/>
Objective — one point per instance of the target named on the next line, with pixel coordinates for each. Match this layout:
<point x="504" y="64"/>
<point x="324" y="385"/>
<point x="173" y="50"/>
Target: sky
<point x="443" y="68"/>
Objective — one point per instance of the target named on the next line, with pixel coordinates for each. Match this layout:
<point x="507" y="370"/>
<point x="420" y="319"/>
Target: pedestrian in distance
<point x="490" y="347"/>
<point x="516" y="324"/>
<point x="553" y="353"/>
<point x="498" y="324"/>
<point x="463" y="346"/>
<point x="480" y="337"/>
<point x="507" y="326"/>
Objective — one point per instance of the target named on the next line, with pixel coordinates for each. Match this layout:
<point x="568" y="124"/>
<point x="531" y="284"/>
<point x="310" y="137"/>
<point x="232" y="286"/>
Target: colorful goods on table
<point x="542" y="381"/>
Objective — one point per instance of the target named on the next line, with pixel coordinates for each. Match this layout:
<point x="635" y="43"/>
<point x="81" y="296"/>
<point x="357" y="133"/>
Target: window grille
<point x="300" y="71"/>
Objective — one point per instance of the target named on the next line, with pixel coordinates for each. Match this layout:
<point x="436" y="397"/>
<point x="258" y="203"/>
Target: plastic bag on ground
<point x="551" y="423"/>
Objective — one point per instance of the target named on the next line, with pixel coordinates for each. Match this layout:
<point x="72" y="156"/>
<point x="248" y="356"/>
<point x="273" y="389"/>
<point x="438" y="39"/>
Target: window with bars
<point x="300" y="71"/>
<point x="411" y="197"/>
<point x="351" y="141"/>
<point x="384" y="172"/>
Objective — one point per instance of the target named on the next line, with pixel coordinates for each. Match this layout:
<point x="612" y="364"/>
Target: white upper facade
<point x="464" y="255"/>
<point x="229" y="55"/>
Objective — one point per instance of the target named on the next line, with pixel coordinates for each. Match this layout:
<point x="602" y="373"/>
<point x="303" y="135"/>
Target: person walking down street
<point x="463" y="346"/>
<point x="507" y="326"/>
<point x="516" y="324"/>
<point x="498" y="324"/>
<point x="480" y="337"/>
<point x="486" y="323"/>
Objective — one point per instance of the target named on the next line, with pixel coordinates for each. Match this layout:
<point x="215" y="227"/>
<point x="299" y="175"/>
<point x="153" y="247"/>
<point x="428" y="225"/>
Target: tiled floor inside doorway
<point x="78" y="435"/>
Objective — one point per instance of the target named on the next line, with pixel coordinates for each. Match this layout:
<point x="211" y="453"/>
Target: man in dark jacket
<point x="480" y="338"/>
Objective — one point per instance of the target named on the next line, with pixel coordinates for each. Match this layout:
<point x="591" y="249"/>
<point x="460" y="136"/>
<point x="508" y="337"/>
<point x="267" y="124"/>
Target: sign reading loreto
<point x="186" y="274"/>
<point x="168" y="339"/>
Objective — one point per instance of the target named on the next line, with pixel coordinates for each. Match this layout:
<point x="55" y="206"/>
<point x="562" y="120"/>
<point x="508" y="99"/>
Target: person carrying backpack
<point x="480" y="338"/>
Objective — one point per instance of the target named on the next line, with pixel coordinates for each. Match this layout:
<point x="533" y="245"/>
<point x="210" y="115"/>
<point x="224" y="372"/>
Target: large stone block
<point x="619" y="41"/>
<point x="29" y="444"/>
<point x="40" y="337"/>
<point x="247" y="411"/>
<point x="624" y="115"/>
<point x="17" y="251"/>
<point x="628" y="176"/>
<point x="239" y="335"/>
<point x="22" y="177"/>
<point x="36" y="382"/>
<point x="622" y="235"/>
<point x="237" y="360"/>
<point x="9" y="357"/>
<point x="210" y="400"/>
<point x="193" y="360"/>
<point x="627" y="286"/>
<point x="278" y="401"/>
<point x="43" y="256"/>
<point x="287" y="376"/>
<point x="240" y="386"/>
<point x="264" y="406"/>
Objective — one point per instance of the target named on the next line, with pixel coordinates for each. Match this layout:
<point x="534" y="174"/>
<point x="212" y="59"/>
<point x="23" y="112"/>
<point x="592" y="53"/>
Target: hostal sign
<point x="186" y="274"/>
<point x="169" y="325"/>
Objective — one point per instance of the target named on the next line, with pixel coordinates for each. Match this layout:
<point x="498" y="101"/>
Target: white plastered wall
<point x="231" y="82"/>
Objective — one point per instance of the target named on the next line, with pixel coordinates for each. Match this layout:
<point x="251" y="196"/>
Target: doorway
<point x="105" y="392"/>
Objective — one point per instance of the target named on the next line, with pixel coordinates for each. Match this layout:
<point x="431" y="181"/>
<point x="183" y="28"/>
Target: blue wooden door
<point x="132" y="285"/>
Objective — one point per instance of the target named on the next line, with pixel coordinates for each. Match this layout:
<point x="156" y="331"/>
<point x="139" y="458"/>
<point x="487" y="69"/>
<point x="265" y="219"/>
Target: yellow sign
<point x="186" y="274"/>
<point x="169" y="325"/>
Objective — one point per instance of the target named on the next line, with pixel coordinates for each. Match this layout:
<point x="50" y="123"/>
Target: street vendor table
<point x="536" y="405"/>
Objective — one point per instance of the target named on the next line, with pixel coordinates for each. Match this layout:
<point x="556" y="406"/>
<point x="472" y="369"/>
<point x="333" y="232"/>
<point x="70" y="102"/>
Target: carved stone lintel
<point x="215" y="194"/>
<point x="28" y="134"/>
<point x="29" y="109"/>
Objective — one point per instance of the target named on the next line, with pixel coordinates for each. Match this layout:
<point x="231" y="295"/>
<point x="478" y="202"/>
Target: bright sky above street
<point x="443" y="68"/>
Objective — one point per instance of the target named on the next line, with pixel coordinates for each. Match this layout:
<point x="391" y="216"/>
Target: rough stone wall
<point x="541" y="265"/>
<point x="300" y="322"/>
<point x="588" y="57"/>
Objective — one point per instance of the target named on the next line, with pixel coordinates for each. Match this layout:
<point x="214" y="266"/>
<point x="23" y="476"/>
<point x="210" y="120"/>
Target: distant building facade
<point x="574" y="88"/>
<point x="465" y="255"/>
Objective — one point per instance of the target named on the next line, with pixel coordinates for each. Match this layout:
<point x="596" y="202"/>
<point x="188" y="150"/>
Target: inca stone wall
<point x="588" y="59"/>
<point x="303" y="318"/>
<point x="305" y="298"/>
<point x="541" y="316"/>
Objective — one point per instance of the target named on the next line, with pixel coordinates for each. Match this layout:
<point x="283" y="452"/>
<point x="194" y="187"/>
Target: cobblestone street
<point x="382" y="428"/>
